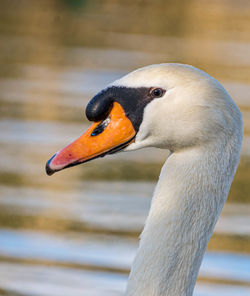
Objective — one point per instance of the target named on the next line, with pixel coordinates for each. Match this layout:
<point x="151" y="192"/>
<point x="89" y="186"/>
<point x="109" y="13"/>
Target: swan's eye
<point x="157" y="92"/>
<point x="101" y="127"/>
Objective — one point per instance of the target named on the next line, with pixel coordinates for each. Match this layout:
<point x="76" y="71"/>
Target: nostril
<point x="98" y="130"/>
<point x="101" y="127"/>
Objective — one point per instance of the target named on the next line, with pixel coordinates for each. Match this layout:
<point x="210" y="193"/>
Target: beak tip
<point x="48" y="169"/>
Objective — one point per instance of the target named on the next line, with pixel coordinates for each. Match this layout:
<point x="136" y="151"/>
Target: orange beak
<point x="103" y="137"/>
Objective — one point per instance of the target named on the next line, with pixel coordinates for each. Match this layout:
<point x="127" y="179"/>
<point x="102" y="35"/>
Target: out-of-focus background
<point x="76" y="233"/>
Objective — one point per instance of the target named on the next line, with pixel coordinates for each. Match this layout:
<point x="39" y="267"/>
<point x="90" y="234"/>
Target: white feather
<point x="200" y="124"/>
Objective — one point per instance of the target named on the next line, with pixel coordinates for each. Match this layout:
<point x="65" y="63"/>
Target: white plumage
<point x="200" y="124"/>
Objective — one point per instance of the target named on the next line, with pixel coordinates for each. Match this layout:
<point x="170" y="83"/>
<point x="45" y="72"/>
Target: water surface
<point x="76" y="233"/>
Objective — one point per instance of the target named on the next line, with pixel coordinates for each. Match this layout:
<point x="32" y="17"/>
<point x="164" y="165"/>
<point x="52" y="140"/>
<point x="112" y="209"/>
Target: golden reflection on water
<point x="54" y="56"/>
<point x="211" y="35"/>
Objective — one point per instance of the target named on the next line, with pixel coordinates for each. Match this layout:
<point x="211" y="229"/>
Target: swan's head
<point x="169" y="106"/>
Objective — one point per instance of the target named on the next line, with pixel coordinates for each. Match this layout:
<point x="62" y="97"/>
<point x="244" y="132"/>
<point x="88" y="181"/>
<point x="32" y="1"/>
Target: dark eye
<point x="157" y="92"/>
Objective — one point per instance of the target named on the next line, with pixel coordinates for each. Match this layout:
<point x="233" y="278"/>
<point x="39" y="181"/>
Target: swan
<point x="180" y="108"/>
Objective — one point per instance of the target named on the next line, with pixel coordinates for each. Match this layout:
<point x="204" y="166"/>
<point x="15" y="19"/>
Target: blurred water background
<point x="76" y="233"/>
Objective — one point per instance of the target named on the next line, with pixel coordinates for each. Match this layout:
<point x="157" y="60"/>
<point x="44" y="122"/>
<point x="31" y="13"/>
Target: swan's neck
<point x="188" y="199"/>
